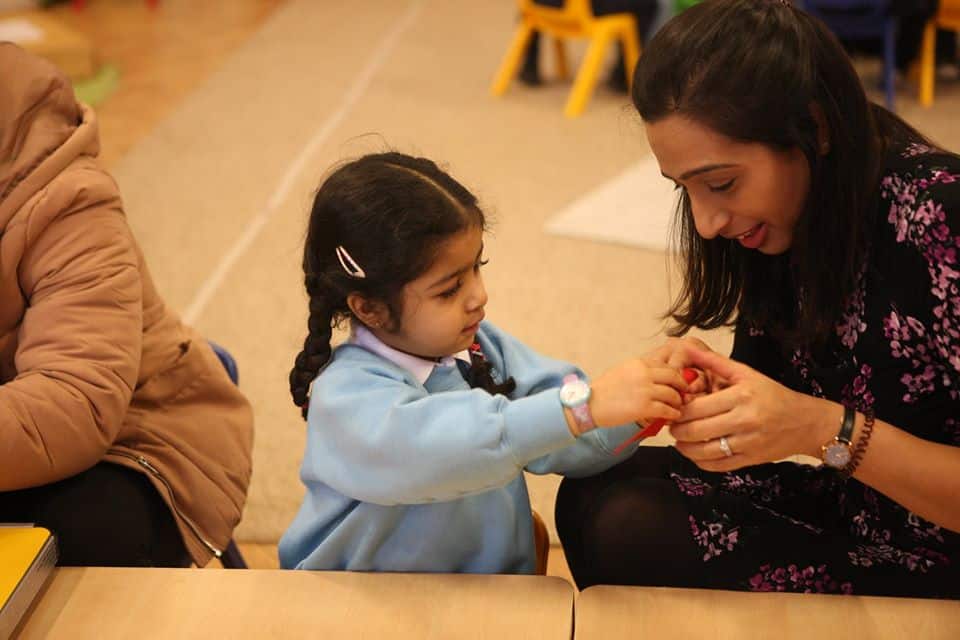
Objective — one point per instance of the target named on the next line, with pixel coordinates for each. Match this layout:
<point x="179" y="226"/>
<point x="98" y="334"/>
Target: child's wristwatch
<point x="575" y="395"/>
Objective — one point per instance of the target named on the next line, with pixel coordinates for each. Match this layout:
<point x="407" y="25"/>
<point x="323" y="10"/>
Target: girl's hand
<point x="673" y="353"/>
<point x="638" y="390"/>
<point x="762" y="420"/>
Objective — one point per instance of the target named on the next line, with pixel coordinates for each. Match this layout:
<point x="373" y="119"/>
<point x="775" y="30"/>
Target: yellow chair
<point x="947" y="17"/>
<point x="541" y="541"/>
<point x="574" y="21"/>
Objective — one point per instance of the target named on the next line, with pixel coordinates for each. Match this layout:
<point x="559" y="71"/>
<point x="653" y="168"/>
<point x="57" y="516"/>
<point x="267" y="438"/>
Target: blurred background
<point x="219" y="118"/>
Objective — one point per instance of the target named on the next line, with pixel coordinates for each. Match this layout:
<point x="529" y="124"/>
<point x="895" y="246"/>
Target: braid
<point x="480" y="376"/>
<point x="316" y="346"/>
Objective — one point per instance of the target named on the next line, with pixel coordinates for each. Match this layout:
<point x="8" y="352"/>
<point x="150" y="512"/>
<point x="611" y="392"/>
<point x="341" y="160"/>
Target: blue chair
<point x="227" y="361"/>
<point x="231" y="557"/>
<point x="862" y="19"/>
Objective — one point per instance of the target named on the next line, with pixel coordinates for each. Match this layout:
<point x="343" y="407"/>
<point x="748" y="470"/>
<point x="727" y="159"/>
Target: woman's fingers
<point x="711" y="456"/>
<point x="711" y="404"/>
<point x="704" y="429"/>
<point x="719" y="365"/>
<point x="702" y="384"/>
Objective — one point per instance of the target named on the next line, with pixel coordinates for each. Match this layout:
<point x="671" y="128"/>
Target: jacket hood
<point x="42" y="127"/>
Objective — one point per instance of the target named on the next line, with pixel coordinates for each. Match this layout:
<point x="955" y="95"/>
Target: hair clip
<point x="349" y="264"/>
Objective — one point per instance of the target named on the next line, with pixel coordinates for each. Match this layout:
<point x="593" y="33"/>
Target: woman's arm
<point x="764" y="421"/>
<point x="922" y="476"/>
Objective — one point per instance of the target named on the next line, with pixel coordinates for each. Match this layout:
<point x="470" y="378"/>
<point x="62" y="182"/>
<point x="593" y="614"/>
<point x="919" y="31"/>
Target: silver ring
<point x="725" y="446"/>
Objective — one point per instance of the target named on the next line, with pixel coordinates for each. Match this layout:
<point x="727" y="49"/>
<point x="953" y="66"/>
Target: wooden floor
<point x="162" y="54"/>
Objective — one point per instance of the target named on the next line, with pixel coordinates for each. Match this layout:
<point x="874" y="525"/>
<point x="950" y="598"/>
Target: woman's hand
<point x="760" y="419"/>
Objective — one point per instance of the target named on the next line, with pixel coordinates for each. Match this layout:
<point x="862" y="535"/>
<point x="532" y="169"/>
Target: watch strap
<point x="846" y="427"/>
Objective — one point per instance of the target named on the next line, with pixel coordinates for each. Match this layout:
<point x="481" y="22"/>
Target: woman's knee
<point x="637" y="532"/>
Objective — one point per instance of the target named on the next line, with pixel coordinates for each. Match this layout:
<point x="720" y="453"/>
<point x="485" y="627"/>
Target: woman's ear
<point x="823" y="131"/>
<point x="372" y="313"/>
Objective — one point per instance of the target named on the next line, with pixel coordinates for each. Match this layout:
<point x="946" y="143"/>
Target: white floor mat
<point x="635" y="208"/>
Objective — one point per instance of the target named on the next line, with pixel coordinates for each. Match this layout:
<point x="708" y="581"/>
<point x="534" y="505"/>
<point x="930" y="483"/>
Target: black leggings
<point x="107" y="516"/>
<point x="768" y="528"/>
<point x="628" y="525"/>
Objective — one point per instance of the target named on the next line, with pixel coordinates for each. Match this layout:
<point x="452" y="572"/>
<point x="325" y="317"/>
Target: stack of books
<point x="27" y="557"/>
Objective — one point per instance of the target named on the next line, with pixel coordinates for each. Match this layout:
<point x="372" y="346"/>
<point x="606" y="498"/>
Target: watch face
<point x="836" y="455"/>
<point x="574" y="393"/>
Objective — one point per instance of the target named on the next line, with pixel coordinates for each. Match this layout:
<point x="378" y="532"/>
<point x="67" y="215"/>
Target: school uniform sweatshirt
<point x="409" y="469"/>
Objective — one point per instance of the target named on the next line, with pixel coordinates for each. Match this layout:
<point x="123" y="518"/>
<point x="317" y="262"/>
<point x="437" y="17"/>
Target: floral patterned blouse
<point x="790" y="527"/>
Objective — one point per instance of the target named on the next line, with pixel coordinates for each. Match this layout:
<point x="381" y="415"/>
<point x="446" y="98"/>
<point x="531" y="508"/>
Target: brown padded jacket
<point x="93" y="365"/>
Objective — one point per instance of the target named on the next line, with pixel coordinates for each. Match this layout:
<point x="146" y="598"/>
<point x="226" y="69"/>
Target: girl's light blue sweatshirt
<point x="409" y="469"/>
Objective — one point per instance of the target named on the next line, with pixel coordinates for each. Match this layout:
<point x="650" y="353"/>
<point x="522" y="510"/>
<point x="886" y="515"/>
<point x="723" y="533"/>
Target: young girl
<point x="421" y="425"/>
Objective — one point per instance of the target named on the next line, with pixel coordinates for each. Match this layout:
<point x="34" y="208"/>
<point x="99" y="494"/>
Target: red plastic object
<point x="654" y="427"/>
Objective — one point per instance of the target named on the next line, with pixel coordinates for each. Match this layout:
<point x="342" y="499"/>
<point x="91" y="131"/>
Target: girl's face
<point x="442" y="308"/>
<point x="747" y="192"/>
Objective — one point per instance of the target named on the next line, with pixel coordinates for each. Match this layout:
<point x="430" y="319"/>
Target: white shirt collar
<point x="421" y="368"/>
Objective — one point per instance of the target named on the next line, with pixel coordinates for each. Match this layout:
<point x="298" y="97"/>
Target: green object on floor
<point x="679" y="6"/>
<point x="97" y="88"/>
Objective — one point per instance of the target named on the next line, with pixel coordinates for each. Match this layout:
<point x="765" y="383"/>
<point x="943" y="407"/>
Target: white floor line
<point x="282" y="191"/>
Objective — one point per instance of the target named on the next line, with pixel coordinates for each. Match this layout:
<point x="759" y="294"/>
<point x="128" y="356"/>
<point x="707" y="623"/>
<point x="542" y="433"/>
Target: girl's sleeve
<point x="376" y="437"/>
<point x="587" y="455"/>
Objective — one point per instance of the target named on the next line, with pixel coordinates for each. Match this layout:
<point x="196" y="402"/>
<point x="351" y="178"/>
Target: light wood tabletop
<point x="189" y="603"/>
<point x="605" y="612"/>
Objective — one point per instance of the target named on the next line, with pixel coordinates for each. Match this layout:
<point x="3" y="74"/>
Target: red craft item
<point x="654" y="427"/>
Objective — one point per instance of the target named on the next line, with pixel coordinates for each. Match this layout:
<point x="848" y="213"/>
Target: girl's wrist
<point x="571" y="422"/>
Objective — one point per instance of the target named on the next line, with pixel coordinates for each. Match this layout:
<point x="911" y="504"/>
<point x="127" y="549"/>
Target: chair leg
<point x="232" y="558"/>
<point x="587" y="76"/>
<point x="512" y="61"/>
<point x="631" y="53"/>
<point x="541" y="541"/>
<point x="928" y="63"/>
<point x="560" y="53"/>
<point x="890" y="61"/>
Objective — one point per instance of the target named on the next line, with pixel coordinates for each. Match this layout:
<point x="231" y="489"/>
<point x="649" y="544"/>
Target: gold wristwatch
<point x="838" y="452"/>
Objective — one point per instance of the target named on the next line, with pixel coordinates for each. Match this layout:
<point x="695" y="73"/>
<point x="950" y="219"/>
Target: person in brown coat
<point x="119" y="428"/>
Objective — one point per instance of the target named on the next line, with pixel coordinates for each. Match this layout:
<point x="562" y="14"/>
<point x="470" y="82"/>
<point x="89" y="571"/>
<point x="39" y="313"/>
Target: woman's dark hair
<point x="391" y="212"/>
<point x="751" y="70"/>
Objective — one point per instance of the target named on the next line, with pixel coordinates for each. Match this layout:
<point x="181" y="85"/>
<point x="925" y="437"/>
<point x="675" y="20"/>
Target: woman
<point x="119" y="429"/>
<point x="827" y="231"/>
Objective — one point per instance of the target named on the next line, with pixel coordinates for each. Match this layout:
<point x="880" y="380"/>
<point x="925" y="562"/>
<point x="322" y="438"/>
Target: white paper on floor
<point x="634" y="208"/>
